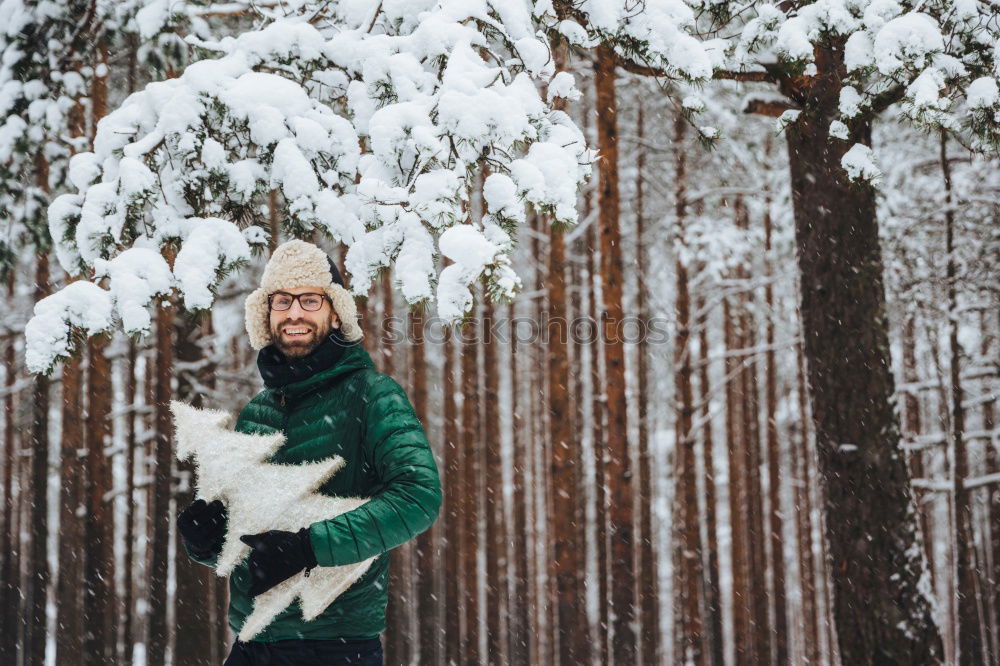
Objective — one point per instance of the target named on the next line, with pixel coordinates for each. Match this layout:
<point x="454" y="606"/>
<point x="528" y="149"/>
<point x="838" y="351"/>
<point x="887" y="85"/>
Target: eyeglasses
<point x="281" y="301"/>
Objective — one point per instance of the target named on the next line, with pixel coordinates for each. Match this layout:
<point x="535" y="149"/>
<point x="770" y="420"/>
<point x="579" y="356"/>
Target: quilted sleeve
<point x="410" y="495"/>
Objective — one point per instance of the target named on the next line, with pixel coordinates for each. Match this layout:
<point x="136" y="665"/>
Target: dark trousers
<point x="306" y="653"/>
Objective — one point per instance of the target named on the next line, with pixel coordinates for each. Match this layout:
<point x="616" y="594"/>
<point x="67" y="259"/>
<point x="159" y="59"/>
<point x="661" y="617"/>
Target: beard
<point x="297" y="346"/>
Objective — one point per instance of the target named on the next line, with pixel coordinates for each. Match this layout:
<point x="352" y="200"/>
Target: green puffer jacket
<point x="335" y="402"/>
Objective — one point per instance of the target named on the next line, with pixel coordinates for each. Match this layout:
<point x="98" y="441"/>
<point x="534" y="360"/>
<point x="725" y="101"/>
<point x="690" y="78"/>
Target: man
<point x="323" y="393"/>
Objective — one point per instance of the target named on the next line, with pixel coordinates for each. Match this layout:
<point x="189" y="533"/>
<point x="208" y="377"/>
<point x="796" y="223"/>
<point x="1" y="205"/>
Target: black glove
<point x="277" y="556"/>
<point x="203" y="527"/>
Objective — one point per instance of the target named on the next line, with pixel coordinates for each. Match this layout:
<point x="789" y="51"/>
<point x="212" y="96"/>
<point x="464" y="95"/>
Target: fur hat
<point x="299" y="264"/>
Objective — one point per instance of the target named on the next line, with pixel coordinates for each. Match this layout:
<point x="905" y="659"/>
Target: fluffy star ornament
<point x="261" y="496"/>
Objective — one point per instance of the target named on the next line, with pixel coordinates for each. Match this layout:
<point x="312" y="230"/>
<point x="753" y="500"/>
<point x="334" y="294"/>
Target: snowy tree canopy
<point x="372" y="121"/>
<point x="836" y="60"/>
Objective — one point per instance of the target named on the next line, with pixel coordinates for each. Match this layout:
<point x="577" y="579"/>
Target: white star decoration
<point x="260" y="496"/>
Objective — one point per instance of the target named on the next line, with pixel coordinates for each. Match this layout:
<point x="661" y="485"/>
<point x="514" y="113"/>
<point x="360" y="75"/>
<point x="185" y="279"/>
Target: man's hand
<point x="203" y="527"/>
<point x="276" y="556"/>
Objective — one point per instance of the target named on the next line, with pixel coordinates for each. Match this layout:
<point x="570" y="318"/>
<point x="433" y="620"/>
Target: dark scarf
<point x="278" y="370"/>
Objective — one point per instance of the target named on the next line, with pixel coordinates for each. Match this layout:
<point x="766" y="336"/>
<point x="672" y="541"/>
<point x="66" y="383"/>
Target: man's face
<point x="297" y="332"/>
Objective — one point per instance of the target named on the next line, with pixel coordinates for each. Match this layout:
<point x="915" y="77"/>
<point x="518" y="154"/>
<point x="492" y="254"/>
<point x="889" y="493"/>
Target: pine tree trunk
<point x="686" y="524"/>
<point x="127" y="605"/>
<point x="99" y="577"/>
<point x="38" y="561"/>
<point x="425" y="546"/>
<point x="993" y="500"/>
<point x="713" y="593"/>
<point x="912" y="428"/>
<point x="193" y="612"/>
<point x="69" y="587"/>
<point x="749" y="382"/>
<point x="648" y="575"/>
<point x="452" y="505"/>
<point x="565" y="561"/>
<point x="804" y="509"/>
<point x="9" y="560"/>
<point x="600" y="418"/>
<point x="619" y="468"/>
<point x="882" y="616"/>
<point x="518" y="624"/>
<point x="737" y="494"/>
<point x="470" y="487"/>
<point x="398" y="635"/>
<point x="775" y="515"/>
<point x="159" y="634"/>
<point x="970" y="638"/>
<point x="496" y="574"/>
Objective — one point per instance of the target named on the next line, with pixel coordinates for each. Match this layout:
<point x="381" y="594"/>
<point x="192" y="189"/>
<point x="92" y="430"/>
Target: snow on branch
<point x="372" y="131"/>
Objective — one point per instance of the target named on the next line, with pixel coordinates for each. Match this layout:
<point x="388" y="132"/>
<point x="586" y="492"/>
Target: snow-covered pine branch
<point x="374" y="129"/>
<point x="939" y="60"/>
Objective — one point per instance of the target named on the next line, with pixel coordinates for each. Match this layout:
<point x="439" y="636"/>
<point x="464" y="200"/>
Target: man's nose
<point x="295" y="311"/>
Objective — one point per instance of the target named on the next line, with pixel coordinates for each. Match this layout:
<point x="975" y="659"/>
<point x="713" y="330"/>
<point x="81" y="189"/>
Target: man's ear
<point x="334" y="320"/>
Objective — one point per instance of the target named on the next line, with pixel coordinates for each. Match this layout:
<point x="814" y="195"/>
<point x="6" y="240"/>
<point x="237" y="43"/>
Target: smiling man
<point x="323" y="393"/>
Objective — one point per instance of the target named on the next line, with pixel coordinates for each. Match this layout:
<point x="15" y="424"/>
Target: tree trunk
<point x="470" y="487"/>
<point x="159" y="634"/>
<point x="911" y="429"/>
<point x="993" y="499"/>
<point x="38" y="561"/>
<point x="496" y="574"/>
<point x="9" y="573"/>
<point x="749" y="382"/>
<point x="619" y="468"/>
<point x="566" y="559"/>
<point x="127" y="605"/>
<point x="737" y="495"/>
<point x="399" y="638"/>
<point x="882" y="615"/>
<point x="600" y="417"/>
<point x="518" y="624"/>
<point x="425" y="547"/>
<point x="452" y="505"/>
<point x="72" y="509"/>
<point x="99" y="577"/>
<point x="713" y="594"/>
<point x="686" y="522"/>
<point x="649" y="597"/>
<point x="804" y="509"/>
<point x="193" y="610"/>
<point x="775" y="515"/>
<point x="970" y="638"/>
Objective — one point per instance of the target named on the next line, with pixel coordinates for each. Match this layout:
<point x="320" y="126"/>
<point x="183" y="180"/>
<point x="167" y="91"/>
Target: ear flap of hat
<point x="256" y="319"/>
<point x="347" y="311"/>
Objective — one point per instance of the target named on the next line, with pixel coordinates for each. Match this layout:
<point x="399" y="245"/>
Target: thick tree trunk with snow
<point x="881" y="611"/>
<point x="69" y="639"/>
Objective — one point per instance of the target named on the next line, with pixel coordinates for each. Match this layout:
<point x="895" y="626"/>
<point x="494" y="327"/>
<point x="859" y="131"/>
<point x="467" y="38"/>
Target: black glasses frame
<point x="295" y="297"/>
